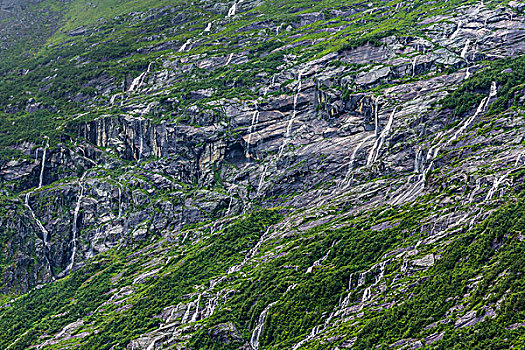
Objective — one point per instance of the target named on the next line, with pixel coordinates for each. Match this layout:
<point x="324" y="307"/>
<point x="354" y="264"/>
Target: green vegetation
<point x="508" y="74"/>
<point x="95" y="49"/>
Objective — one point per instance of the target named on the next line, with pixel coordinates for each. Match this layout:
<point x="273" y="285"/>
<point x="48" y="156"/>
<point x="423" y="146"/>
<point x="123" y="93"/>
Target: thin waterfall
<point x="291" y="287"/>
<point x="139" y="81"/>
<point x="318" y="262"/>
<point x="261" y="180"/>
<point x="250" y="254"/>
<point x="196" y="314"/>
<point x="186" y="315"/>
<point x="75" y="223"/>
<point x="481" y="108"/>
<point x="366" y="294"/>
<point x="351" y="163"/>
<point x="211" y="305"/>
<point x="343" y="303"/>
<point x="419" y="162"/>
<point x="374" y="153"/>
<point x="414" y="62"/>
<point x="456" y="32"/>
<point x="316" y="330"/>
<point x="45" y="233"/>
<point x="476" y="189"/>
<point x="113" y="98"/>
<point x="136" y="82"/>
<point x="382" y="268"/>
<point x="464" y="52"/>
<point x="43" y="165"/>
<point x="467" y="73"/>
<point x="255" y="121"/>
<point x="278" y="28"/>
<point x="361" y="279"/>
<point x="185" y="46"/>
<point x="294" y="114"/>
<point x="433" y="152"/>
<point x="229" y="206"/>
<point x="154" y="343"/>
<point x="228" y="61"/>
<point x="499" y="180"/>
<point x="233" y="10"/>
<point x="259" y="328"/>
<point x="208" y="28"/>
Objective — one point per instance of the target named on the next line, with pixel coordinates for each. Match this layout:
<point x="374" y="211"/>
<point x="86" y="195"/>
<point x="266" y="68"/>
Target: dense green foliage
<point x="491" y="254"/>
<point x="304" y="276"/>
<point x="508" y="74"/>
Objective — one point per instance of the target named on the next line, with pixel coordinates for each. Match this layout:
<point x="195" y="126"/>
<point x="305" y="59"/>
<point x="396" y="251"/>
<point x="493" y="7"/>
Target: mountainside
<point x="262" y="174"/>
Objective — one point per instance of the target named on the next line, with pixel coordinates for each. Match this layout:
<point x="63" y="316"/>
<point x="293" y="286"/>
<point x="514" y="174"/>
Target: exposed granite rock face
<point x="350" y="131"/>
<point x="307" y="134"/>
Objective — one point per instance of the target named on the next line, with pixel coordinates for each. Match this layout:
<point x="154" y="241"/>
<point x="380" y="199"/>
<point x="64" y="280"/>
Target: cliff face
<point x="249" y="176"/>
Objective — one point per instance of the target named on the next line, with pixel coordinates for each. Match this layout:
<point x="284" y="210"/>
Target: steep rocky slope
<point x="262" y="175"/>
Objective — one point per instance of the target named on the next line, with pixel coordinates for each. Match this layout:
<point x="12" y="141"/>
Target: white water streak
<point x="354" y="155"/>
<point x="139" y="81"/>
<point x="255" y="121"/>
<point x="289" y="128"/>
<point x="43" y="165"/>
<point x="75" y="223"/>
<point x="318" y="263"/>
<point x="45" y="233"/>
<point x="464" y="52"/>
<point x="185" y="46"/>
<point x="259" y="328"/>
<point x="374" y="153"/>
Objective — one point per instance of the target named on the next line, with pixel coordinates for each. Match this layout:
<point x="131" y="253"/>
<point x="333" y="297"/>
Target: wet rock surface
<point x="325" y="140"/>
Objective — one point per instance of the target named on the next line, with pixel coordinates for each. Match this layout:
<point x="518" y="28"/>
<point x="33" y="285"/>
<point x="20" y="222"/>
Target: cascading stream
<point x="289" y="128"/>
<point x="259" y="328"/>
<point x="255" y="121"/>
<point x="196" y="314"/>
<point x="464" y="52"/>
<point x="499" y="180"/>
<point x="433" y="152"/>
<point x="211" y="305"/>
<point x="351" y="163"/>
<point x="228" y="211"/>
<point x="229" y="60"/>
<point x="185" y="46"/>
<point x="43" y="165"/>
<point x="233" y="10"/>
<point x="261" y="180"/>
<point x="186" y="315"/>
<point x="318" y="262"/>
<point x="250" y="254"/>
<point x="374" y="153"/>
<point x="367" y="294"/>
<point x="75" y="223"/>
<point x="45" y="233"/>
<point x="139" y="81"/>
<point x="414" y="62"/>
